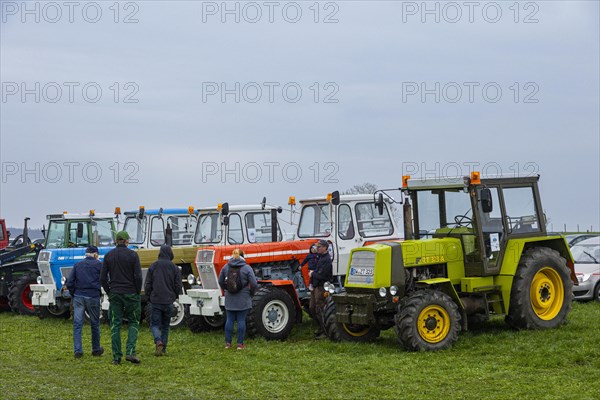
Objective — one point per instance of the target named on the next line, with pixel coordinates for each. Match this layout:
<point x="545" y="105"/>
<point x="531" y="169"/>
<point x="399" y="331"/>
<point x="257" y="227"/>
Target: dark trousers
<point x="317" y="304"/>
<point x="80" y="306"/>
<point x="126" y="306"/>
<point x="240" y="317"/>
<point x="160" y="323"/>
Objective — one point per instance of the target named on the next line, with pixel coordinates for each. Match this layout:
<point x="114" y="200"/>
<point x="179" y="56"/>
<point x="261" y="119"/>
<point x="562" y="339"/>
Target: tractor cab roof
<point x="344" y="198"/>
<point x="69" y="216"/>
<point x="164" y="211"/>
<point x="462" y="182"/>
<point x="238" y="208"/>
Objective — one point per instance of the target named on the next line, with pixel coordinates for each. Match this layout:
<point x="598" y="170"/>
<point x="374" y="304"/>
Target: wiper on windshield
<point x="591" y="256"/>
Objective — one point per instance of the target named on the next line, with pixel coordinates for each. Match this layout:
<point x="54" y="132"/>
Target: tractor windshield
<point x="370" y="223"/>
<point x="103" y="232"/>
<point x="56" y="234"/>
<point x="136" y="228"/>
<point x="209" y="229"/>
<point x="443" y="210"/>
<point x="314" y="221"/>
<point x="258" y="227"/>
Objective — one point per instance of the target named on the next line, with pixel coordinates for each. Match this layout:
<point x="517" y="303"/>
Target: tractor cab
<point x="239" y="224"/>
<point x="3" y="234"/>
<point x="483" y="213"/>
<point x="346" y="222"/>
<point x="150" y="229"/>
<point x="80" y="230"/>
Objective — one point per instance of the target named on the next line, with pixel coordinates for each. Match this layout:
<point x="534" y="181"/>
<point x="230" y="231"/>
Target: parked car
<point x="587" y="268"/>
<point x="573" y="239"/>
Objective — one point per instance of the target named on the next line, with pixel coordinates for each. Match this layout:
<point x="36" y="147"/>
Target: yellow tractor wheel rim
<point x="356" y="330"/>
<point x="547" y="293"/>
<point x="433" y="323"/>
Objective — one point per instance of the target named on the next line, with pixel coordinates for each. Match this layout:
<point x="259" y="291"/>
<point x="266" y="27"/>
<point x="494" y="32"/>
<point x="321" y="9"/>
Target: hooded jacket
<point x="163" y="281"/>
<point x="121" y="271"/>
<point x="323" y="272"/>
<point x="241" y="300"/>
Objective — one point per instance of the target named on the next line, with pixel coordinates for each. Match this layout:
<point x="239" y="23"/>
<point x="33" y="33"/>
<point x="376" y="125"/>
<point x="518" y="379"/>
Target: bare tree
<point x="365" y="188"/>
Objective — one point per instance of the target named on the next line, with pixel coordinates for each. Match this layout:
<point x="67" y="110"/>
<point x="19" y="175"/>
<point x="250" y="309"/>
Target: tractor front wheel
<point x="337" y="331"/>
<point x="541" y="292"/>
<point x="427" y="320"/>
<point x="19" y="295"/>
<point x="178" y="315"/>
<point x="272" y="315"/>
<point x="201" y="323"/>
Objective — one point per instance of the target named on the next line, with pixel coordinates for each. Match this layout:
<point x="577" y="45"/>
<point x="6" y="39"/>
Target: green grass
<point x="491" y="362"/>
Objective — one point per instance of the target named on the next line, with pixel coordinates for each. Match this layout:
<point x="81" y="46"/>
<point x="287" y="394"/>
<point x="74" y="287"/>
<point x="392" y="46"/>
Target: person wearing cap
<point x="322" y="273"/>
<point x="121" y="279"/>
<point x="84" y="286"/>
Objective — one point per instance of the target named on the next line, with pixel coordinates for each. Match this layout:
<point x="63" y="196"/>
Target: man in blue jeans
<point x="84" y="285"/>
<point x="163" y="285"/>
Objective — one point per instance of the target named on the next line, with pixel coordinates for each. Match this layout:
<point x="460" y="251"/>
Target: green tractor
<point x="474" y="248"/>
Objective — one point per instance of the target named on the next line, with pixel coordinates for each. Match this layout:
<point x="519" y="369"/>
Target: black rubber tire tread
<point x="200" y="323"/>
<point x="597" y="292"/>
<point x="254" y="324"/>
<point x="407" y="317"/>
<point x="148" y="316"/>
<point x="52" y="312"/>
<point x="15" y="291"/>
<point x="336" y="332"/>
<point x="520" y="312"/>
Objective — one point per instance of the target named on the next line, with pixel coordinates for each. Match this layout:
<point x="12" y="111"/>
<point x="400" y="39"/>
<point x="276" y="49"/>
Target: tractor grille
<point x="362" y="268"/>
<point x="65" y="271"/>
<point x="205" y="256"/>
<point x="45" y="273"/>
<point x="208" y="276"/>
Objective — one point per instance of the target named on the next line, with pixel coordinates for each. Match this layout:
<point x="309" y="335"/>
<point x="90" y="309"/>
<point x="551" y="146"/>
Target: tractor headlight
<point x="191" y="279"/>
<point x="326" y="286"/>
<point x="63" y="280"/>
<point x="382" y="292"/>
<point x="39" y="280"/>
<point x="583" y="277"/>
<point x="394" y="290"/>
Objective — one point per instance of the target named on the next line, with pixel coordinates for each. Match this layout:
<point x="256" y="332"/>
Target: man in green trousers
<point x="121" y="279"/>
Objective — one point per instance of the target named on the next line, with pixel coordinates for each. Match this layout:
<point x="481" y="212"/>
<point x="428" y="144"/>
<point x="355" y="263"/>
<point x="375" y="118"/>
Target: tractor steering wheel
<point x="463" y="220"/>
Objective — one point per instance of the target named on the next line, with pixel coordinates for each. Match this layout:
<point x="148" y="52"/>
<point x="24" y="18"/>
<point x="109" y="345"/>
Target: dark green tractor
<point x="475" y="248"/>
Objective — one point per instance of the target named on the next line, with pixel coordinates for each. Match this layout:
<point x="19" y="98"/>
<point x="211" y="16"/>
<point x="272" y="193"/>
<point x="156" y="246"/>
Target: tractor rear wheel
<point x="427" y="320"/>
<point x="541" y="292"/>
<point x="19" y="295"/>
<point x="337" y="331"/>
<point x="272" y="315"/>
<point x="201" y="323"/>
<point x="178" y="315"/>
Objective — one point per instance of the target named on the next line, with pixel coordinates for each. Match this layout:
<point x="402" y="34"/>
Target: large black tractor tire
<point x="337" y="331"/>
<point x="427" y="320"/>
<point x="597" y="292"/>
<point x="4" y="306"/>
<point x="201" y="323"/>
<point x="178" y="315"/>
<point x="19" y="295"/>
<point x="272" y="315"/>
<point x="542" y="291"/>
<point x="56" y="311"/>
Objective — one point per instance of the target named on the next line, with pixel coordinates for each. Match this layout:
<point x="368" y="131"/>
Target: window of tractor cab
<point x="1" y="234"/>
<point x="55" y="238"/>
<point x="136" y="228"/>
<point x="442" y="210"/>
<point x="209" y="229"/>
<point x="183" y="228"/>
<point x="521" y="212"/>
<point x="258" y="227"/>
<point x="75" y="240"/>
<point x="236" y="233"/>
<point x="314" y="221"/>
<point x="370" y="223"/>
<point x="157" y="232"/>
<point x="345" y="223"/>
<point x="104" y="231"/>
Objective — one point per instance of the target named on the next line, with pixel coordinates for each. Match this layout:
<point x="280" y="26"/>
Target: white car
<point x="587" y="269"/>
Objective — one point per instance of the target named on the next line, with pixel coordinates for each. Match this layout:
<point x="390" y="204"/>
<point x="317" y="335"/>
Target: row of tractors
<point x="471" y="248"/>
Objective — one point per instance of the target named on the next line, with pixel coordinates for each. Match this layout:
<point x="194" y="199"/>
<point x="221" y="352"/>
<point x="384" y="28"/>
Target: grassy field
<point x="491" y="362"/>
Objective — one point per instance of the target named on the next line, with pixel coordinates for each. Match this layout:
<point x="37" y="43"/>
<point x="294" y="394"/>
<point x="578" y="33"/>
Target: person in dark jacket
<point x="121" y="279"/>
<point x="311" y="259"/>
<point x="84" y="286"/>
<point x="322" y="273"/>
<point x="237" y="304"/>
<point x="163" y="285"/>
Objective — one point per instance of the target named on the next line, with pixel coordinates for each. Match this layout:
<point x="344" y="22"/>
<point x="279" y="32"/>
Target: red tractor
<point x="3" y="234"/>
<point x="346" y="222"/>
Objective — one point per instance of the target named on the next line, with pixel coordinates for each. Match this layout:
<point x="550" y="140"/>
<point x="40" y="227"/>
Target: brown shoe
<point x="159" y="349"/>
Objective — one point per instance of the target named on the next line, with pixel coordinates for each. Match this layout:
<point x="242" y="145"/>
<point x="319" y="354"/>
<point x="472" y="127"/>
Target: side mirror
<point x="485" y="196"/>
<point x="379" y="203"/>
<point x="335" y="197"/>
<point x="263" y="203"/>
<point x="225" y="220"/>
<point x="225" y="209"/>
<point x="79" y="230"/>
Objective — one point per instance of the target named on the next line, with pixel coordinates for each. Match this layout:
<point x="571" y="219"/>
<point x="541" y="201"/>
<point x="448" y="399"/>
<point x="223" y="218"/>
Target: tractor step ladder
<point x="495" y="292"/>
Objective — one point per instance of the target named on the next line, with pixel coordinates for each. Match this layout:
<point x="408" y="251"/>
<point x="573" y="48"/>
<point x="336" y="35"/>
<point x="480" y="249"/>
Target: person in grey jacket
<point x="237" y="304"/>
<point x="163" y="285"/>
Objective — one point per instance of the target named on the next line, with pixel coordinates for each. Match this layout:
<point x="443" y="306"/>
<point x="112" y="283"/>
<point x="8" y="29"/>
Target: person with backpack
<point x="163" y="285"/>
<point x="239" y="283"/>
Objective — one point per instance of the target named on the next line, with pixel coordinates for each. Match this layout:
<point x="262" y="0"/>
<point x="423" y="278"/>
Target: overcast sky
<point x="151" y="109"/>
